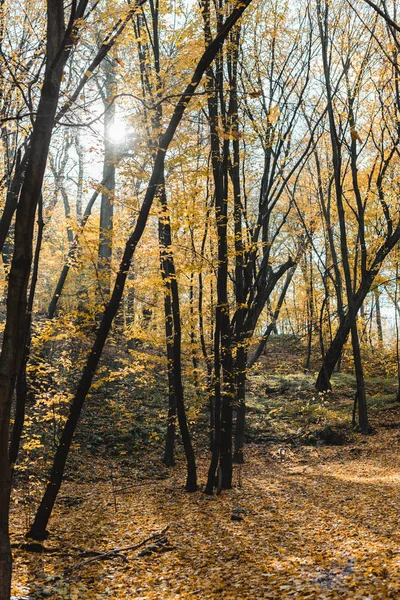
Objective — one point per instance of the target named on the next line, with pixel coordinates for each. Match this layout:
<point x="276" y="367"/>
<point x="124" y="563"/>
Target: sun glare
<point x="117" y="132"/>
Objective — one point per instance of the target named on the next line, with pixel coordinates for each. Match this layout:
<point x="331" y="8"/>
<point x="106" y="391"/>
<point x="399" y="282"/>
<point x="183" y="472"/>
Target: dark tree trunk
<point x="174" y="355"/>
<point x="167" y="272"/>
<point x="79" y="192"/>
<point x="191" y="478"/>
<point x="21" y="386"/>
<point x="210" y="382"/>
<point x="335" y="349"/>
<point x="222" y="343"/>
<point x="378" y="315"/>
<point x="193" y="335"/>
<point x="360" y="394"/>
<point x="310" y="311"/>
<point x="12" y="201"/>
<point x="332" y="356"/>
<point x="240" y="296"/>
<point x="396" y="311"/>
<point x="15" y="330"/>
<point x="240" y="401"/>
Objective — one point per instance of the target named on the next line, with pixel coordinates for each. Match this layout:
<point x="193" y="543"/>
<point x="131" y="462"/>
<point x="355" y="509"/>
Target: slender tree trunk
<point x="354" y="300"/>
<point x="167" y="272"/>
<point x="191" y="478"/>
<point x="216" y="439"/>
<point x="79" y="192"/>
<point x="335" y="349"/>
<point x="396" y="316"/>
<point x="240" y="400"/>
<point x="193" y="335"/>
<point x="210" y="382"/>
<point x="378" y="315"/>
<point x="107" y="196"/>
<point x="360" y="394"/>
<point x="337" y="169"/>
<point x="14" y="334"/>
<point x="12" y="199"/>
<point x="310" y="311"/>
<point x="21" y="387"/>
<point x="240" y="296"/>
<point x="271" y="314"/>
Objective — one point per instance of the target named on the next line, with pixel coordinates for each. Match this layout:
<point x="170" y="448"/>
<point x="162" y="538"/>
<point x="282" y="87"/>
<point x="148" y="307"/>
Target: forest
<point x="199" y="299"/>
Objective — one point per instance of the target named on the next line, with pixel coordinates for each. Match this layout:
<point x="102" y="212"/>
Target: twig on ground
<point x="140" y="484"/>
<point x="117" y="551"/>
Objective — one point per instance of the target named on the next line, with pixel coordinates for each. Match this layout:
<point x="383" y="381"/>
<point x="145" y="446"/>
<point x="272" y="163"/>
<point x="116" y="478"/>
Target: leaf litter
<point x="318" y="522"/>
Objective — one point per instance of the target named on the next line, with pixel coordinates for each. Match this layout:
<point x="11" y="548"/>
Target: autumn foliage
<point x="200" y="237"/>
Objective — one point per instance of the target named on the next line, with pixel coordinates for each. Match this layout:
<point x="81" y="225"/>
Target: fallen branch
<point x="117" y="551"/>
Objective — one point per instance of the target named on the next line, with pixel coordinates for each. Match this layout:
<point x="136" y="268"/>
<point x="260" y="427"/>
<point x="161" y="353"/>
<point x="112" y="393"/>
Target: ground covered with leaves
<point x="305" y="519"/>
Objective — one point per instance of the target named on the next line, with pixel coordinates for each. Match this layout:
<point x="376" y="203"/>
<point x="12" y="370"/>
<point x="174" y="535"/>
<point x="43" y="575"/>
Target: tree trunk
<point x="240" y="401"/>
<point x="21" y="387"/>
<point x="14" y="334"/>
<point x="164" y="236"/>
<point x="310" y="311"/>
<point x="107" y="196"/>
<point x="360" y="394"/>
<point x="354" y="300"/>
<point x="12" y="199"/>
<point x="396" y="316"/>
<point x="378" y="316"/>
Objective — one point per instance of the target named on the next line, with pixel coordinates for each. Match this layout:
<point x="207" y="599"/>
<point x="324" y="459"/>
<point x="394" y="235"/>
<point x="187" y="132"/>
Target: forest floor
<point x="303" y="520"/>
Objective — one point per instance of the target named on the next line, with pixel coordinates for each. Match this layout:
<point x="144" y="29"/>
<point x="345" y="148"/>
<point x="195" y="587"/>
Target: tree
<point x="366" y="265"/>
<point x="60" y="39"/>
<point x="58" y="48"/>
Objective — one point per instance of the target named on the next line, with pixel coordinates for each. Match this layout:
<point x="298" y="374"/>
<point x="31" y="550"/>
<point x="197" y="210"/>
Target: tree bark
<point x="14" y="334"/>
<point x="21" y="386"/>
